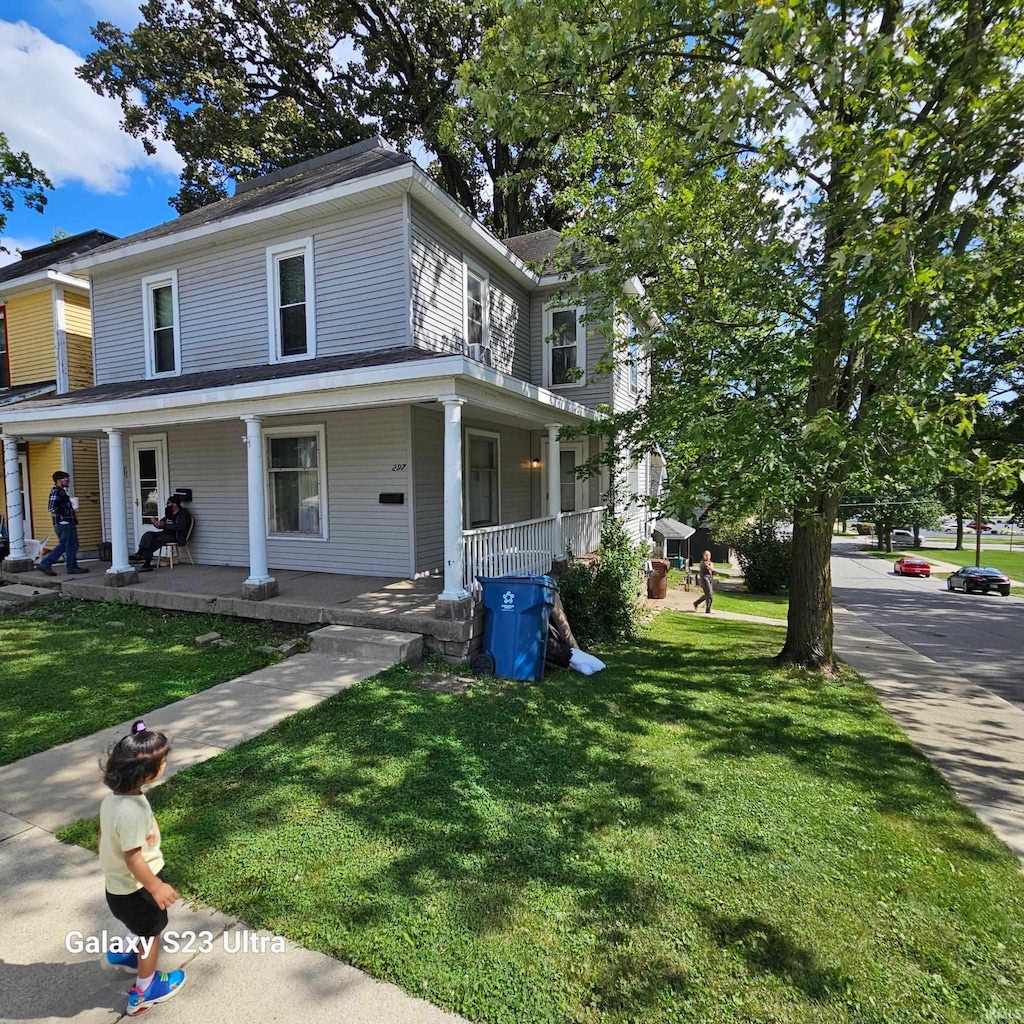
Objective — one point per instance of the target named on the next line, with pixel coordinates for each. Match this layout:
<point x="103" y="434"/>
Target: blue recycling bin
<point x="516" y="613"/>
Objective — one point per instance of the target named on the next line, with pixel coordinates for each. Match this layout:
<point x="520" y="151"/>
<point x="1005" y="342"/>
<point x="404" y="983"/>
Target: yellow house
<point x="46" y="348"/>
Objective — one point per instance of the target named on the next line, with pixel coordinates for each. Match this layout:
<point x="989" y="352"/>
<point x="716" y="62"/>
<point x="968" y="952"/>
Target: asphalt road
<point x="979" y="636"/>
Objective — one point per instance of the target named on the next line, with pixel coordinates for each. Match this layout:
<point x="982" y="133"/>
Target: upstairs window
<point x="566" y="343"/>
<point x="291" y="307"/>
<point x="477" y="302"/>
<point x="161" y="320"/>
<point x="634" y="357"/>
<point x="5" y="370"/>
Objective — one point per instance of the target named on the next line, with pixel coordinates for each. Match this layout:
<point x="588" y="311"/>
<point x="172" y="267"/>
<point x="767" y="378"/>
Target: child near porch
<point x="137" y="894"/>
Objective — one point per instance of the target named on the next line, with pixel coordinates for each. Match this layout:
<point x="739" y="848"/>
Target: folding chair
<point x="174" y="548"/>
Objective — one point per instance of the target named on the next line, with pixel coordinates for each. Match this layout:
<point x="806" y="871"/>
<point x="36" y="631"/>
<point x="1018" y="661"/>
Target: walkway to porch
<point x="307" y="598"/>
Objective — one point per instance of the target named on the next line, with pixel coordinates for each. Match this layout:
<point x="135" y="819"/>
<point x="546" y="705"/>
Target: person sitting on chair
<point x="172" y="529"/>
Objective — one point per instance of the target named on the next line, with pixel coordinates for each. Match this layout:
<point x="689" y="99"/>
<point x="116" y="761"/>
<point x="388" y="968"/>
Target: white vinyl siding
<point x="360" y="272"/>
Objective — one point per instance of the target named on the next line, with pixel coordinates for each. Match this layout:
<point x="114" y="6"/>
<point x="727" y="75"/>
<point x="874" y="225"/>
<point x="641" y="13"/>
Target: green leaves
<point x="19" y="176"/>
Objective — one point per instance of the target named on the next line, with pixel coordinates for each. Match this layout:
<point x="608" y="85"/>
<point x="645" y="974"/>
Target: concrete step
<point x="35" y="579"/>
<point x="383" y="645"/>
<point x="19" y="593"/>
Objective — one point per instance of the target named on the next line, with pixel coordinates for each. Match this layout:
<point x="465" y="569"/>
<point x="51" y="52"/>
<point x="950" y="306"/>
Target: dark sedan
<point x="979" y="580"/>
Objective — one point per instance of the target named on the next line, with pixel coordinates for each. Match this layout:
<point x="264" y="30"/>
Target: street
<point x="981" y="637"/>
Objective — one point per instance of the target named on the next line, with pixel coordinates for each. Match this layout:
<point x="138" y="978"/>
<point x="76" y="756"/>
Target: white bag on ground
<point x="585" y="663"/>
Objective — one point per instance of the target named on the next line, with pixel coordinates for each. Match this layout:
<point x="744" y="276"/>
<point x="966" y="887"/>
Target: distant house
<point x="351" y="375"/>
<point x="46" y="350"/>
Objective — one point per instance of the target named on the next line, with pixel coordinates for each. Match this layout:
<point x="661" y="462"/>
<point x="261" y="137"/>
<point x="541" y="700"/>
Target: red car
<point x="912" y="567"/>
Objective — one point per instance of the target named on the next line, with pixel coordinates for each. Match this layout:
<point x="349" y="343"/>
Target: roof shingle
<point x="43" y="257"/>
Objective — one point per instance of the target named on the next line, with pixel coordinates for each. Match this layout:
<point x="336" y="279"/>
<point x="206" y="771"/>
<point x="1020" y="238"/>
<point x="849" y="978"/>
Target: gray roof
<point x="42" y="257"/>
<point x="357" y="161"/>
<point x="125" y="390"/>
<point x="536" y="247"/>
<point x="9" y="396"/>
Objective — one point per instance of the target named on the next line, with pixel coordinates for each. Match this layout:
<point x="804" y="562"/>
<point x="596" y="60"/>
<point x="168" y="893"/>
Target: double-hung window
<point x="296" y="482"/>
<point x="483" y="484"/>
<point x="291" y="306"/>
<point x="566" y="356"/>
<point x="477" y="303"/>
<point x="161" y="321"/>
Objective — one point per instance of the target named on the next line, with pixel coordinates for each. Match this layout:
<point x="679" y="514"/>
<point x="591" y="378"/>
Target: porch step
<point x="359" y="642"/>
<point x="19" y="593"/>
<point x="34" y="579"/>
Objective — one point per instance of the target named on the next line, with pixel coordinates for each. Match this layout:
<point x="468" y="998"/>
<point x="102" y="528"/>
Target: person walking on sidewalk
<point x="133" y="866"/>
<point x="65" y="522"/>
<point x="706" y="578"/>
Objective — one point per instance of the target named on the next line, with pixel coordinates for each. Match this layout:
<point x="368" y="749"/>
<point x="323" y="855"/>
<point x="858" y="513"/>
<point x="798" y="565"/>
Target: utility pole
<point x="977" y="538"/>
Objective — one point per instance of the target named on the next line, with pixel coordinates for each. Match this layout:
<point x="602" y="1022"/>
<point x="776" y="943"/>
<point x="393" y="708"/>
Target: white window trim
<point x="469" y="267"/>
<point x="581" y="346"/>
<point x="490" y="435"/>
<point x="275" y="253"/>
<point x="149" y="283"/>
<point x="298" y="431"/>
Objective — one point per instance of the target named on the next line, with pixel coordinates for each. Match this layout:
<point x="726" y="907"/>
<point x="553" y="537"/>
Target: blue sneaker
<point x="121" y="962"/>
<point x="165" y="985"/>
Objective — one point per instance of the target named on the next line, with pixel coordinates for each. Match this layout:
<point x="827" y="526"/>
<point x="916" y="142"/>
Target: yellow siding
<point x="79" y="332"/>
<point x="87" y="488"/>
<point x="44" y="459"/>
<point x="30" y="337"/>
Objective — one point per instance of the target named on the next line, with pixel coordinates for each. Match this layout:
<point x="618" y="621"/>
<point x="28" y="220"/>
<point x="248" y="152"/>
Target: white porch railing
<point x="581" y="531"/>
<point x="530" y="546"/>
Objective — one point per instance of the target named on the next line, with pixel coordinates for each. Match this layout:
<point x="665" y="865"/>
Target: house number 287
<point x="398" y="467"/>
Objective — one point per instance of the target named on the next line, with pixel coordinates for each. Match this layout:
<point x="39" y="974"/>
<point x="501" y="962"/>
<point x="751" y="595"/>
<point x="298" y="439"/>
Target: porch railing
<point x="581" y="531"/>
<point x="530" y="546"/>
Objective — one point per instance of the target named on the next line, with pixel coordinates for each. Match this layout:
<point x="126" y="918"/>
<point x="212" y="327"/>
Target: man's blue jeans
<point x="67" y="534"/>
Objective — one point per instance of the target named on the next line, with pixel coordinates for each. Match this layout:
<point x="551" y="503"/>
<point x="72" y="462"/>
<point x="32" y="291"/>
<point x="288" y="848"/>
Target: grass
<point x="733" y="599"/>
<point x="66" y="673"/>
<point x="694" y="834"/>
<point x="1010" y="562"/>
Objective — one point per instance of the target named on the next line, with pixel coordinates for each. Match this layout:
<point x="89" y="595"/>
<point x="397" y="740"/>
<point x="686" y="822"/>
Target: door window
<point x="148" y="496"/>
<point x="482" y="482"/>
<point x="567" y="478"/>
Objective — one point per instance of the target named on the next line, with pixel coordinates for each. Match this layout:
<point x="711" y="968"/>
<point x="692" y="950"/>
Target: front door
<point x="573" y="490"/>
<point x="150" y="488"/>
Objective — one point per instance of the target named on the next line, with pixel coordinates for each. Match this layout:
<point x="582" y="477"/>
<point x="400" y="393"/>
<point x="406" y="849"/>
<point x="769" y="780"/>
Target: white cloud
<point x="14" y="244"/>
<point x="68" y="130"/>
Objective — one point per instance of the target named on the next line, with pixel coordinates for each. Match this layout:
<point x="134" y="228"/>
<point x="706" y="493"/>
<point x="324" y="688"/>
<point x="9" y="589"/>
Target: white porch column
<point x="120" y="571"/>
<point x="17" y="560"/>
<point x="453" y="552"/>
<point x="555" y="489"/>
<point x="260" y="584"/>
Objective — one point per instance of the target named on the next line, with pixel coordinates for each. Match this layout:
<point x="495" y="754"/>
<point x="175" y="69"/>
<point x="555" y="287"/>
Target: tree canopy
<point x="19" y="177"/>
<point x="805" y="188"/>
<point x="242" y="87"/>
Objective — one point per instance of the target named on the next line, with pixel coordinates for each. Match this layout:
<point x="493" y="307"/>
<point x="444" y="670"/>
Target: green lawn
<point x="66" y="673"/>
<point x="1010" y="562"/>
<point x="773" y="606"/>
<point x="692" y="835"/>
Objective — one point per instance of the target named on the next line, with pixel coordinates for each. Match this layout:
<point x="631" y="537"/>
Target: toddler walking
<point x="133" y="865"/>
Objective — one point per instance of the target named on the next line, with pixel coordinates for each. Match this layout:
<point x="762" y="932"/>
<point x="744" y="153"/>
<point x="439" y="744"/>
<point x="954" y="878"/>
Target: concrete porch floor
<point x="305" y="598"/>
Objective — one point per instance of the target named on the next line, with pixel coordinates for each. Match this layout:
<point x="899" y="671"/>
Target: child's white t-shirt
<point x="127" y="823"/>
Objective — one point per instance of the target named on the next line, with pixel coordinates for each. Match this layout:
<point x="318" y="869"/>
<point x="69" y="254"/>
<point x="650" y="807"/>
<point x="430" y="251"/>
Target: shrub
<point x="600" y="596"/>
<point x="764" y="557"/>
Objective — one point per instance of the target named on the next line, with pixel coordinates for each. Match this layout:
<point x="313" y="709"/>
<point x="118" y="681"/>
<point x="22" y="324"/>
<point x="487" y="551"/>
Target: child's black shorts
<point x="138" y="912"/>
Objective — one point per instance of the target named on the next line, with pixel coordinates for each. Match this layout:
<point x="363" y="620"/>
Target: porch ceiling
<point x="141" y="405"/>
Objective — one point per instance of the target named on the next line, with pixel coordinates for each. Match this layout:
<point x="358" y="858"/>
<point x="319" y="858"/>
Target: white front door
<point x="573" y="490"/>
<point x="150" y="488"/>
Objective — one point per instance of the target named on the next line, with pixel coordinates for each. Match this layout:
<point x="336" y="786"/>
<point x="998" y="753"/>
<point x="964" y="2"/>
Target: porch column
<point x="555" y="490"/>
<point x="17" y="560"/>
<point x="260" y="585"/>
<point x="120" y="572"/>
<point x="454" y="566"/>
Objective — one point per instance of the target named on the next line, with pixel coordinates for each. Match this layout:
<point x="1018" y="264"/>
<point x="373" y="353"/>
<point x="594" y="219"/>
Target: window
<point x="634" y="359"/>
<point x="5" y="370"/>
<point x="296" y="483"/>
<point x="291" y="306"/>
<point x="161" y="321"/>
<point x="477" y="303"/>
<point x="483" y="497"/>
<point x="566" y="336"/>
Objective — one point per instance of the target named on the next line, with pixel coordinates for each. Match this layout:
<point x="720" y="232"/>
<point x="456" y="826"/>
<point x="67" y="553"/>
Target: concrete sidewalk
<point x="973" y="737"/>
<point x="48" y="889"/>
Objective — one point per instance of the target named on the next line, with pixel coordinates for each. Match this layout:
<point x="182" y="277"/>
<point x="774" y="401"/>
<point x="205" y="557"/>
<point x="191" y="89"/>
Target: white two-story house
<point x="350" y="374"/>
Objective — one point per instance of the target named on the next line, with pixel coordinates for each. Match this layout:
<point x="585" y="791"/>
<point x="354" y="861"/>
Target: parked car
<point x="912" y="567"/>
<point x="949" y="528"/>
<point x="985" y="528"/>
<point x="979" y="580"/>
<point x="902" y="535"/>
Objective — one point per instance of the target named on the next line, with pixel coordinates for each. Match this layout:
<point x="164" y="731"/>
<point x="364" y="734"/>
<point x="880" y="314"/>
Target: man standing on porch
<point x="65" y="522"/>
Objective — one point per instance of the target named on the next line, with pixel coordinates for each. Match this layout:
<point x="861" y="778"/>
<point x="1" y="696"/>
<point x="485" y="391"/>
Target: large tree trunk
<point x="809" y="631"/>
<point x="917" y="536"/>
<point x="959" y="530"/>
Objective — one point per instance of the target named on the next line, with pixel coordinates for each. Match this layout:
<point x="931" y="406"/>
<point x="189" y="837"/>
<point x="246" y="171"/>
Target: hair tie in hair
<point x="139" y="726"/>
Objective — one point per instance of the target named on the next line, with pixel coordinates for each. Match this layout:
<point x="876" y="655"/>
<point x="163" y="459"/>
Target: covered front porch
<point x="366" y="478"/>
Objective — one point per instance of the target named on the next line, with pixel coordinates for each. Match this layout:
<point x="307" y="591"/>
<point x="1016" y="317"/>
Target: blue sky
<point x="103" y="178"/>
